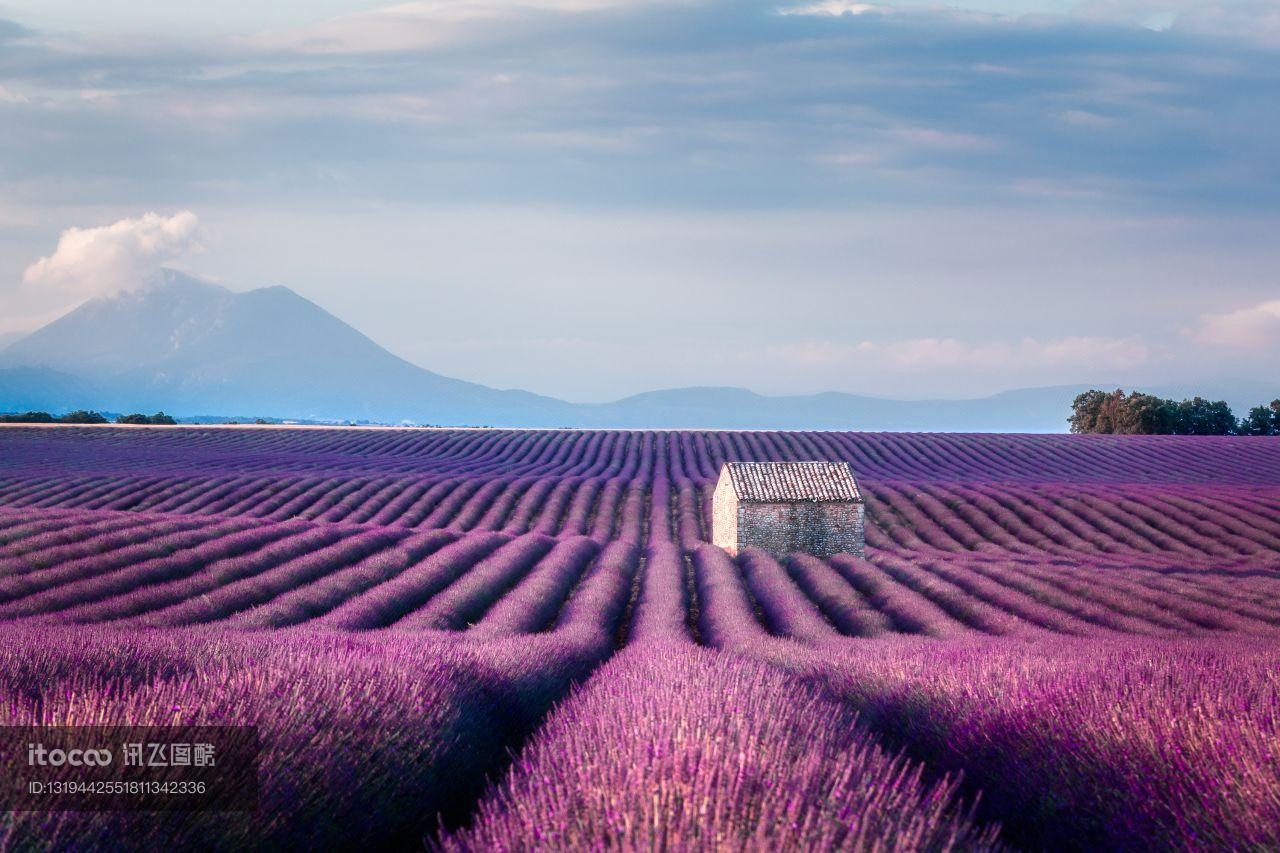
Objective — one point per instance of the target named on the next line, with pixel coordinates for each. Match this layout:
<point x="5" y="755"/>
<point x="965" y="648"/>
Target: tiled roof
<point x="785" y="482"/>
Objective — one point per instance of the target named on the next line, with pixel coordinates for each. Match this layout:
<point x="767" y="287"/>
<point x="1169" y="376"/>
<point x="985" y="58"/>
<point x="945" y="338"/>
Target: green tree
<point x="80" y="416"/>
<point x="158" y="419"/>
<point x="1145" y="414"/>
<point x="27" y="418"/>
<point x="1199" y="416"/>
<point x="1111" y="415"/>
<point x="1086" y="410"/>
<point x="1262" y="420"/>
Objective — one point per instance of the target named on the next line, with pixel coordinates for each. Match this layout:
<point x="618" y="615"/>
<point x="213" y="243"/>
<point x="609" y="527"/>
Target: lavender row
<point x="539" y="598"/>
<point x="673" y="747"/>
<point x="440" y="717"/>
<point x="1123" y="743"/>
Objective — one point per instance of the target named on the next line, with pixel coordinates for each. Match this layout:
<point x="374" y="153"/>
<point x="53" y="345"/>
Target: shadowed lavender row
<point x="1099" y="743"/>
<point x="674" y="747"/>
<point x="368" y="739"/>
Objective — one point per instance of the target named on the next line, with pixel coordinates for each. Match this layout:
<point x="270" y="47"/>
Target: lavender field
<point x="521" y="640"/>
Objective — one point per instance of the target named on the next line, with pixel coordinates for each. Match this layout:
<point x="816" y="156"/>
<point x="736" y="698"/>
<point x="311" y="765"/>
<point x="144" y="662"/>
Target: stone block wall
<point x="821" y="529"/>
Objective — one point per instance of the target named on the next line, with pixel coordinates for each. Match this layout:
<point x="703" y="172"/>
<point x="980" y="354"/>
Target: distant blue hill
<point x="190" y="347"/>
<point x="1031" y="410"/>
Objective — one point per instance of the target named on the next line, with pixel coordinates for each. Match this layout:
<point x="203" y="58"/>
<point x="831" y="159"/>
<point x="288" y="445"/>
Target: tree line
<point x="80" y="416"/>
<point x="1145" y="414"/>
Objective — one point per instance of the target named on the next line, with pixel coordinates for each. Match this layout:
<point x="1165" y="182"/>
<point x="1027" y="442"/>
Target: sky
<point x="592" y="198"/>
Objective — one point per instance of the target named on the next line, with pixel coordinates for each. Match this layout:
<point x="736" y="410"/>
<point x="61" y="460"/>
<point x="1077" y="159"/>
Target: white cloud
<point x="1249" y="328"/>
<point x="120" y="256"/>
<point x="834" y="8"/>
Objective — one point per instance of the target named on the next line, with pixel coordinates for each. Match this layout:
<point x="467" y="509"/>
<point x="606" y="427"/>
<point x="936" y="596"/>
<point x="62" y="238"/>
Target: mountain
<point x="7" y="338"/>
<point x="194" y="348"/>
<point x="1030" y="410"/>
<point x="185" y="345"/>
<point x="39" y="389"/>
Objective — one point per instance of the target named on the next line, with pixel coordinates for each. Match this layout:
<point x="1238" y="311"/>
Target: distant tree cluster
<point x="80" y="416"/>
<point x="158" y="419"/>
<point x="1145" y="414"/>
<point x="1262" y="420"/>
<point x="28" y="418"/>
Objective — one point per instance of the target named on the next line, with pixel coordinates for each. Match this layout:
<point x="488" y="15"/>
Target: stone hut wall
<point x="821" y="529"/>
<point x="724" y="517"/>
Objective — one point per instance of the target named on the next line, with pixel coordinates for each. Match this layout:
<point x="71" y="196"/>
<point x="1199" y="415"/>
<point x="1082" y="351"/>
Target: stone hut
<point x="781" y="507"/>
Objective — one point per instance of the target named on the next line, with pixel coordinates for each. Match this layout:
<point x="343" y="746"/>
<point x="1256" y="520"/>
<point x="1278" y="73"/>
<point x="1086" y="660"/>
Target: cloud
<point x="654" y="103"/>
<point x="11" y="31"/>
<point x="941" y="354"/>
<point x="15" y="326"/>
<point x="415" y="26"/>
<point x="942" y="140"/>
<point x="1085" y="118"/>
<point x="1249" y="328"/>
<point x="120" y="256"/>
<point x="1251" y="20"/>
<point x="834" y="8"/>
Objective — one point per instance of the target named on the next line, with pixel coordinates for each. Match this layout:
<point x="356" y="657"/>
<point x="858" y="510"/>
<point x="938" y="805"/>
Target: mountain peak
<point x="280" y="293"/>
<point x="170" y="280"/>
